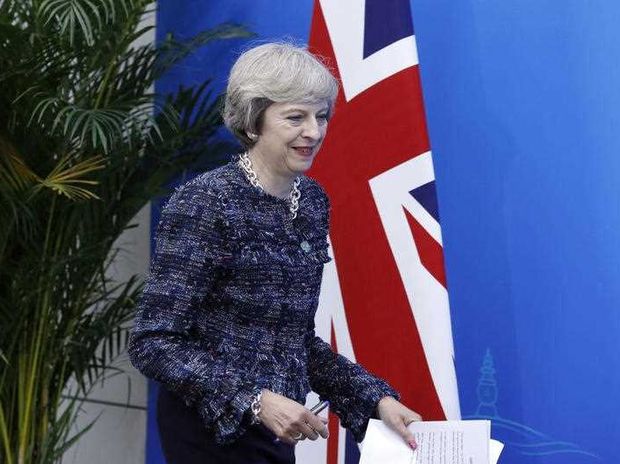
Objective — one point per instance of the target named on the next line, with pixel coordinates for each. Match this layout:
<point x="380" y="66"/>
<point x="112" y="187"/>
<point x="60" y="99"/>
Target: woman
<point x="226" y="321"/>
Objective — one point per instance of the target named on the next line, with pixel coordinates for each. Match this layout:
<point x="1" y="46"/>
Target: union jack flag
<point x="384" y="301"/>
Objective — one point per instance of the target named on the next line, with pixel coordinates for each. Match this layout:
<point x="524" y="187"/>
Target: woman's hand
<point x="289" y="420"/>
<point x="397" y="416"/>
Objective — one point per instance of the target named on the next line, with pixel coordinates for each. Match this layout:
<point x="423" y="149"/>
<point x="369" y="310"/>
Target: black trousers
<point x="185" y="440"/>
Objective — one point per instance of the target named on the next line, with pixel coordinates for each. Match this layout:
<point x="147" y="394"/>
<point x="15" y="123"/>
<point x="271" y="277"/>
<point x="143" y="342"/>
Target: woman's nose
<point x="311" y="129"/>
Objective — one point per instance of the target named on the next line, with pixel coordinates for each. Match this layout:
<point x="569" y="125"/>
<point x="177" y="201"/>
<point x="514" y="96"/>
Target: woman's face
<point x="291" y="136"/>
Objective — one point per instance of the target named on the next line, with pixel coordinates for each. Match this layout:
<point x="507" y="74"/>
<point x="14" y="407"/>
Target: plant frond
<point x="14" y="172"/>
<point x="58" y="441"/>
<point x="172" y="51"/>
<point x="104" y="128"/>
<point x="67" y="179"/>
<point x="78" y="18"/>
<point x="100" y="335"/>
<point x="79" y="121"/>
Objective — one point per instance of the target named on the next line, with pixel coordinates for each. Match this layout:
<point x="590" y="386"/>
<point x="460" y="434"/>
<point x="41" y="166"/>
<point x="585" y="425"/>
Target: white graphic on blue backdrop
<point x="520" y="438"/>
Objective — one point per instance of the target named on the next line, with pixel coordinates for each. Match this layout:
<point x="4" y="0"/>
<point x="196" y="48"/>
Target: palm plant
<point x="84" y="145"/>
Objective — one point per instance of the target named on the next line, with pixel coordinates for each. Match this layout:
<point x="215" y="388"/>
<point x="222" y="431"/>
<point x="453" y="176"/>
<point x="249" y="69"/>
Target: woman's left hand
<point x="397" y="416"/>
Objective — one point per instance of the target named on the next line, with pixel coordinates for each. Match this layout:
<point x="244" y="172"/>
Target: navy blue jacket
<point x="228" y="308"/>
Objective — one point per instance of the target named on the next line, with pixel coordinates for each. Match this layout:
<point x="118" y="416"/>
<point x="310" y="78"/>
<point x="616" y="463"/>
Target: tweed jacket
<point x="228" y="307"/>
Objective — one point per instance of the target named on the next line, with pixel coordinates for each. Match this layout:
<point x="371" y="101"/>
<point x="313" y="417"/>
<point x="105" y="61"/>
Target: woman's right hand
<point x="287" y="419"/>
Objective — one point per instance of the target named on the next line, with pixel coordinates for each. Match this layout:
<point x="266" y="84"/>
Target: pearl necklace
<point x="293" y="196"/>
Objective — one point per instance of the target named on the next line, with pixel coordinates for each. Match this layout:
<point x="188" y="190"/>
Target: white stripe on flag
<point x="345" y="23"/>
<point x="427" y="297"/>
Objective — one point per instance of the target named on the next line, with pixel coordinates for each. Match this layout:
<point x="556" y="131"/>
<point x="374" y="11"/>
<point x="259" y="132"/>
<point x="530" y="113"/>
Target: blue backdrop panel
<point x="522" y="100"/>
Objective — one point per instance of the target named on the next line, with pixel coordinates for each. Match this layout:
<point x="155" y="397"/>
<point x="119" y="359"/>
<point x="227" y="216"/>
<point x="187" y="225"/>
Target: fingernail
<point x="413" y="445"/>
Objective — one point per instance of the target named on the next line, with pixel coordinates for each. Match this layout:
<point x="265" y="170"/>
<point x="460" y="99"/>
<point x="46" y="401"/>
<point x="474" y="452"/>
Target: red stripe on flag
<point x="379" y="129"/>
<point x="430" y="252"/>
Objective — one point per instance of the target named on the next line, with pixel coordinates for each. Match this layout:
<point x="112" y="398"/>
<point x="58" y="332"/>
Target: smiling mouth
<point x="304" y="151"/>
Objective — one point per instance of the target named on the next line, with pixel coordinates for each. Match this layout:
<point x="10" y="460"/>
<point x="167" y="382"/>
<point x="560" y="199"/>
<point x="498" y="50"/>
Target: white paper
<point x="381" y="445"/>
<point x="439" y="442"/>
<point x="495" y="449"/>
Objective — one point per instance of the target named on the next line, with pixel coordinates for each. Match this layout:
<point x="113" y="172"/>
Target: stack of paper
<point x="444" y="442"/>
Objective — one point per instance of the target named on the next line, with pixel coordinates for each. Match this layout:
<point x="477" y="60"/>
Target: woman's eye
<point x="294" y="118"/>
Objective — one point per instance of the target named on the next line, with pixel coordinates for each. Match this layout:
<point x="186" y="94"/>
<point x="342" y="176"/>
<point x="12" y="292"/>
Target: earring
<point x="252" y="136"/>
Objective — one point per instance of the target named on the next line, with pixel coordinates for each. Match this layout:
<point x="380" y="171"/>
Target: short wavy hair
<point x="273" y="73"/>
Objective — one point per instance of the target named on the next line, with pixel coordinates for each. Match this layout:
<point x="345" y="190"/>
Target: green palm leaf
<point x="68" y="180"/>
<point x="14" y="173"/>
<point x="81" y="18"/>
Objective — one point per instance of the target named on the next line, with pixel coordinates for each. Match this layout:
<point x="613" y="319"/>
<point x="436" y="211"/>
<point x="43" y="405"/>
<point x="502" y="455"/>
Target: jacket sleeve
<point x="352" y="391"/>
<point x="190" y="250"/>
